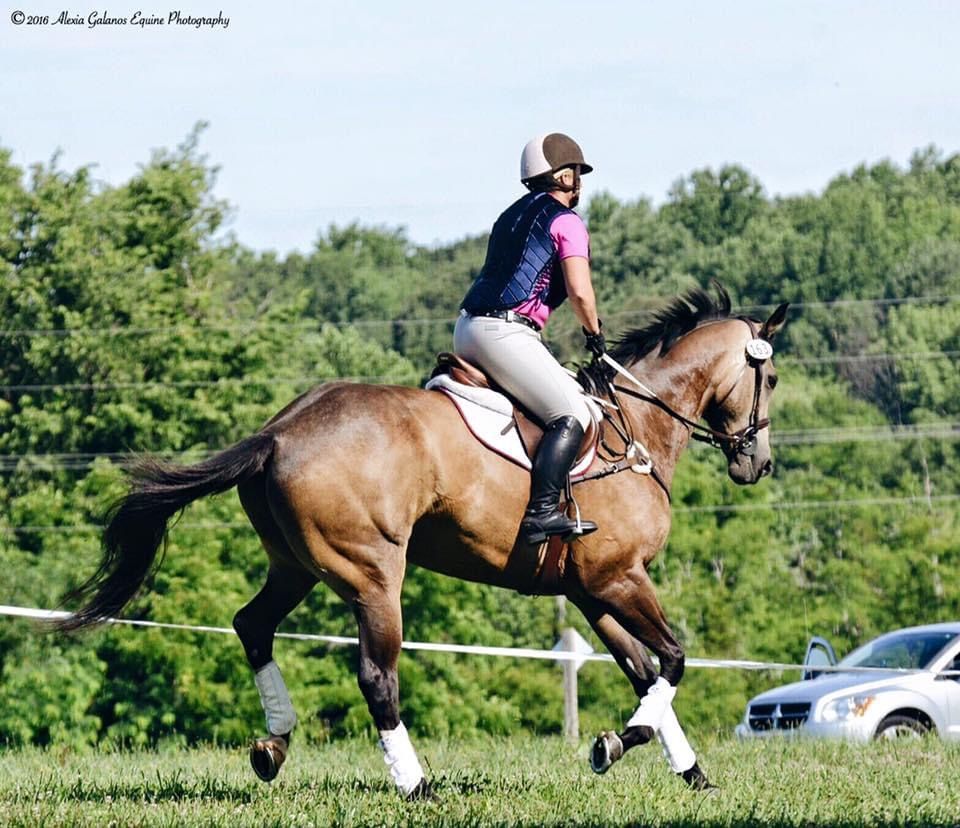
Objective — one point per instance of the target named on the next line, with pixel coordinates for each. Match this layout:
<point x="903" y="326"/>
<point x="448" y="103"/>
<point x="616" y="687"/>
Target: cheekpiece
<point x="759" y="350"/>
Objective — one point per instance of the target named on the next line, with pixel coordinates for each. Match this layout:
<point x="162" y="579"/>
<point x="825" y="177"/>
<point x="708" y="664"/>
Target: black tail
<point x="138" y="524"/>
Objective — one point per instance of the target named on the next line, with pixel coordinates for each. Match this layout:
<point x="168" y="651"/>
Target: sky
<point x="414" y="114"/>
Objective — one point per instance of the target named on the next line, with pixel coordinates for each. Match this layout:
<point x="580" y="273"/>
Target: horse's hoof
<point x="422" y="793"/>
<point x="267" y="755"/>
<point x="697" y="780"/>
<point x="607" y="749"/>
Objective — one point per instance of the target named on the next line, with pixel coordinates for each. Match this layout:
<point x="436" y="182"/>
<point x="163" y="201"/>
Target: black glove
<point x="596" y="342"/>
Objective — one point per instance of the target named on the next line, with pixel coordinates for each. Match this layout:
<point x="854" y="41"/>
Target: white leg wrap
<point x="653" y="705"/>
<point x="674" y="742"/>
<point x="275" y="699"/>
<point x="401" y="758"/>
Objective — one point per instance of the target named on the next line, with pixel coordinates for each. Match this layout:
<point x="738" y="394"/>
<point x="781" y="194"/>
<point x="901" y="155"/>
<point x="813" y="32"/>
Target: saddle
<point x="528" y="428"/>
<point x="504" y="426"/>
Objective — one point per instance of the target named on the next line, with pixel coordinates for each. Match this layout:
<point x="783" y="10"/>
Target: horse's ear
<point x="774" y="323"/>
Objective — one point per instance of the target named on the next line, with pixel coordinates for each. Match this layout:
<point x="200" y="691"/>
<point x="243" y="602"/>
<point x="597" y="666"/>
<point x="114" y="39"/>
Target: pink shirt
<point x="570" y="235"/>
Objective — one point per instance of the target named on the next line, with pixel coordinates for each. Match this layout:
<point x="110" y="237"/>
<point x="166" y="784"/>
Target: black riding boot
<point x="555" y="455"/>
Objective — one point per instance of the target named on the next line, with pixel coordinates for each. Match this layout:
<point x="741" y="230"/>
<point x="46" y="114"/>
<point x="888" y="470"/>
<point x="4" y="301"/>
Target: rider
<point x="537" y="256"/>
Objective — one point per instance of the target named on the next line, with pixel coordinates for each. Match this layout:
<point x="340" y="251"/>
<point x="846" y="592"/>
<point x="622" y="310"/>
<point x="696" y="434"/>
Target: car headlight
<point x="849" y="707"/>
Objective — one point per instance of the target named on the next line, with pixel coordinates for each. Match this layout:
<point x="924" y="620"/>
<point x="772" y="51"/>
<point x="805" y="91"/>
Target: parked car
<point x="869" y="705"/>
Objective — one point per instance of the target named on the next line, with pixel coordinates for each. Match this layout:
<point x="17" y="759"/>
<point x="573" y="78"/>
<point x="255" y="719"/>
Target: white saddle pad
<point x="489" y="416"/>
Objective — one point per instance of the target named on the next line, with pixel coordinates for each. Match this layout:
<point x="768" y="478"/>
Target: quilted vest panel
<point x="519" y="251"/>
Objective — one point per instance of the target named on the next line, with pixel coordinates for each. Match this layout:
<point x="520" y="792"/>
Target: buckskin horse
<point x="350" y="482"/>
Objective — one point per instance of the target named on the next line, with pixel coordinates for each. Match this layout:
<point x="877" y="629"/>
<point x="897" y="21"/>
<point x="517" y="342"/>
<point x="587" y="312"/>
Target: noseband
<point x="743" y="441"/>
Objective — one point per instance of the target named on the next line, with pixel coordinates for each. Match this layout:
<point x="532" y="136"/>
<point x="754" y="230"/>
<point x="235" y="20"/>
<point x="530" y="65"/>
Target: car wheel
<point x="901" y="727"/>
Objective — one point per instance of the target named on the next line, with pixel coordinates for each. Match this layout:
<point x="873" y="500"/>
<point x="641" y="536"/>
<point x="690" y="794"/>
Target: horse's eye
<point x="772" y="381"/>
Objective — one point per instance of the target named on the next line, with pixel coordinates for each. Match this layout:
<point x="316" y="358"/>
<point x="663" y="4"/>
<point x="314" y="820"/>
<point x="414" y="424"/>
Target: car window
<point x="900" y="651"/>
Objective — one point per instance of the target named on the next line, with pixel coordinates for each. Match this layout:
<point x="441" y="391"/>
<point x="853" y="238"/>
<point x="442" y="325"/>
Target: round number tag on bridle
<point x="759" y="350"/>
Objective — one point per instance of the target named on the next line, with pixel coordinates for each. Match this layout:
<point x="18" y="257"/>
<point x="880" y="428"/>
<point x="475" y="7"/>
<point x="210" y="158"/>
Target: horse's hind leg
<point x="368" y="575"/>
<point x="287" y="584"/>
<point x="381" y="633"/>
<point x="256" y="624"/>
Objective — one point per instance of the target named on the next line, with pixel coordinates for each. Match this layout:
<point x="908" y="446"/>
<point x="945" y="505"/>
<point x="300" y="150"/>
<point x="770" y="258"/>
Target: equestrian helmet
<point x="548" y="153"/>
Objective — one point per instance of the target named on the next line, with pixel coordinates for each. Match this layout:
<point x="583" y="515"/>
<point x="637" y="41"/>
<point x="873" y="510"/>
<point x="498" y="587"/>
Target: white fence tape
<point x="468" y="649"/>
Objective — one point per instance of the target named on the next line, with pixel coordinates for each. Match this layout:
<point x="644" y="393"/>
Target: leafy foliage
<point x="129" y="325"/>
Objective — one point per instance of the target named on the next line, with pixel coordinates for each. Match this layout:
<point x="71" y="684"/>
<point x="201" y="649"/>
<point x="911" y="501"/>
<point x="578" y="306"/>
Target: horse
<point x="413" y="486"/>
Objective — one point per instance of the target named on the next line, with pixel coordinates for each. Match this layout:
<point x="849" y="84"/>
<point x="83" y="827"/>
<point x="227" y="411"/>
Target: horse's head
<point x="707" y="364"/>
<point x="742" y="398"/>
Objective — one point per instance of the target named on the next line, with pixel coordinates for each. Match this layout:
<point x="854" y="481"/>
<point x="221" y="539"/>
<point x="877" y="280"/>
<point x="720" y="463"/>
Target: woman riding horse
<point x="350" y="483"/>
<point x="537" y="256"/>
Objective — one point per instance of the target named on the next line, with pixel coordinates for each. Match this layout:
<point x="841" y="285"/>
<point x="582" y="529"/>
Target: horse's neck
<point x="685" y="385"/>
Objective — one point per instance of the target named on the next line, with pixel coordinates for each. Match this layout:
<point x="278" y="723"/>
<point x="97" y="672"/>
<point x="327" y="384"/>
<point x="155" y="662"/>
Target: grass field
<point x="519" y="781"/>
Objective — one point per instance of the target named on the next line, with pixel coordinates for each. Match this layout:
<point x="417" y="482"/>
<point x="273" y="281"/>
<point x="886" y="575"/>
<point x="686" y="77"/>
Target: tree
<point x="716" y="205"/>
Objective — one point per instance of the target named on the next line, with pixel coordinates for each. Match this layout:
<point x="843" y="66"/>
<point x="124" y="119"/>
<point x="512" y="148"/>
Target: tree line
<point x="132" y="324"/>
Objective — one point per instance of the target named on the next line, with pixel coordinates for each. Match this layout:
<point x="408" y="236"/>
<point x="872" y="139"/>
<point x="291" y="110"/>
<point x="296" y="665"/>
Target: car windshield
<point x="900" y="651"/>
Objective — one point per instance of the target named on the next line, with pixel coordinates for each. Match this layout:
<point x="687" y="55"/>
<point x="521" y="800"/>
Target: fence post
<point x="571" y="710"/>
<point x="571" y="642"/>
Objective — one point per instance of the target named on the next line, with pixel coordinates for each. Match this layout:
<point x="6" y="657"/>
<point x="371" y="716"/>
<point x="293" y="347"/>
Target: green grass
<point x="519" y="781"/>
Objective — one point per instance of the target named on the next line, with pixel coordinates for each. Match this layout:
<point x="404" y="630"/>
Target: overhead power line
<point x="776" y="506"/>
<point x="919" y="356"/>
<point x="447" y="319"/>
<point x="868" y="434"/>
<point x="803" y="505"/>
<point x="306" y="325"/>
<point x="28" y="388"/>
<point x="816" y="436"/>
<point x="186" y="384"/>
<point x="879" y="302"/>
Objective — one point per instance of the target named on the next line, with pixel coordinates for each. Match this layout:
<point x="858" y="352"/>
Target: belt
<point x="507" y="315"/>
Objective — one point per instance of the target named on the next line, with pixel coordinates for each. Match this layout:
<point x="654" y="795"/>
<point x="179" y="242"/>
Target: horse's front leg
<point x="655" y="715"/>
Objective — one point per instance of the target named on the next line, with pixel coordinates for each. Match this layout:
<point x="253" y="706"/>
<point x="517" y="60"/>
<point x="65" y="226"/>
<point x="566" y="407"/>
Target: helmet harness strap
<point x="568" y="188"/>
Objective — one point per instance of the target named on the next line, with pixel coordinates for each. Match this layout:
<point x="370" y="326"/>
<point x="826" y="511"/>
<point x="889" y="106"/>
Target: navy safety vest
<point x="519" y="251"/>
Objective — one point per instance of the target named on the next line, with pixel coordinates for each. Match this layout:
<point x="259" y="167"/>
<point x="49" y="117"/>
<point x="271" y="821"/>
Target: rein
<point x="742" y="441"/>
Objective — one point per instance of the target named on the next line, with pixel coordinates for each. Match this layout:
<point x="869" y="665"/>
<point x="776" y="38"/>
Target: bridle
<point x="740" y="442"/>
<point x="744" y="440"/>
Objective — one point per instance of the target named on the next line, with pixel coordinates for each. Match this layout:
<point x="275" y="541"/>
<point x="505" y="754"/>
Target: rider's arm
<point x="576" y="275"/>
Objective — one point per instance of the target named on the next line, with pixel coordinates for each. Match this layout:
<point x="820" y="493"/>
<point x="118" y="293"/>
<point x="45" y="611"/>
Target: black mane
<point x="668" y="324"/>
<point x="680" y="316"/>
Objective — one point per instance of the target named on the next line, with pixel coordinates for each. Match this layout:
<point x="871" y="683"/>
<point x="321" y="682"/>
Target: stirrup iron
<point x="579" y="529"/>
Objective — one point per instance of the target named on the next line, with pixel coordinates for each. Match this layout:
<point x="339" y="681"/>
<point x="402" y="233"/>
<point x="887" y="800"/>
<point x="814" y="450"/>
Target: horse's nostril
<point x="766" y="468"/>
